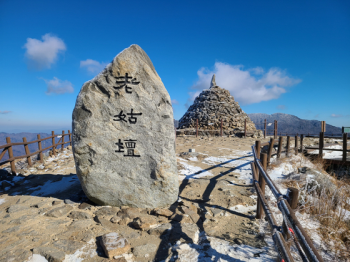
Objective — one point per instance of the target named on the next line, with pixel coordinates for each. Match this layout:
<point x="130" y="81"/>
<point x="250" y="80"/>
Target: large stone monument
<point x="213" y="105"/>
<point x="123" y="135"/>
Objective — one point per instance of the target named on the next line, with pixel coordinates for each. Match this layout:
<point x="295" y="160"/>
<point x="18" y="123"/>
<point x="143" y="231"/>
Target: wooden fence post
<point x="70" y="137"/>
<point x="10" y="152"/>
<point x="29" y="160"/>
<point x="275" y="130"/>
<point x="41" y="159"/>
<point x="262" y="183"/>
<point x="280" y="142"/>
<point x="345" y="145"/>
<point x="245" y="127"/>
<point x="288" y="144"/>
<point x="323" y="126"/>
<point x="53" y="143"/>
<point x="301" y="143"/>
<point x="272" y="141"/>
<point x="292" y="198"/>
<point x="296" y="145"/>
<point x="62" y="146"/>
<point x="221" y="128"/>
<point x="321" y="145"/>
<point x="258" y="147"/>
<point x="265" y="129"/>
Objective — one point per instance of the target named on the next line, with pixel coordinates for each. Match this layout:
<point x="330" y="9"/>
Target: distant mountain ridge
<point x="292" y="124"/>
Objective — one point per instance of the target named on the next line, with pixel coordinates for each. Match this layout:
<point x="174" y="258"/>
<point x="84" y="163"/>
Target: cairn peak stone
<point x="213" y="83"/>
<point x="123" y="135"/>
<point x="213" y="105"/>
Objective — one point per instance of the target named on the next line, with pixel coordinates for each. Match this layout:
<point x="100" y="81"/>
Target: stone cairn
<point x="210" y="107"/>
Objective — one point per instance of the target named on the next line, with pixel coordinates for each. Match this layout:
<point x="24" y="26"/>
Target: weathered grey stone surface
<point x="109" y="177"/>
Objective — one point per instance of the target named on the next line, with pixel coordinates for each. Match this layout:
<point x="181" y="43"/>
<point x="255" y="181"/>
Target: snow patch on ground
<point x="190" y="171"/>
<point x="243" y="209"/>
<point x="2" y="201"/>
<point x="54" y="187"/>
<point x="221" y="250"/>
<point x="331" y="154"/>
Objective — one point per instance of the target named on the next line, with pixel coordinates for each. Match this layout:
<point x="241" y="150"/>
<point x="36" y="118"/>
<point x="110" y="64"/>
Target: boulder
<point x="123" y="135"/>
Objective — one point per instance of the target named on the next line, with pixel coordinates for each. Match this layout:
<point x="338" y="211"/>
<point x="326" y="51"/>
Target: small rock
<point x="42" y="204"/>
<point x="114" y="245"/>
<point x="158" y="231"/>
<point x="59" y="211"/>
<point x="238" y="241"/>
<point x="185" y="233"/>
<point x="142" y="251"/>
<point x="107" y="211"/>
<point x="80" y="224"/>
<point x="144" y="222"/>
<point x="84" y="206"/>
<point x="68" y="201"/>
<point x="124" y="221"/>
<point x="67" y="246"/>
<point x="129" y="213"/>
<point x="115" y="219"/>
<point x="163" y="212"/>
<point x="194" y="216"/>
<point x="16" y="208"/>
<point x="50" y="253"/>
<point x="79" y="215"/>
<point x="57" y="202"/>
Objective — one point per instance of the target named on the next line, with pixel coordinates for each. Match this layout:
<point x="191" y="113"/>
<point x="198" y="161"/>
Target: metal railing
<point x="294" y="230"/>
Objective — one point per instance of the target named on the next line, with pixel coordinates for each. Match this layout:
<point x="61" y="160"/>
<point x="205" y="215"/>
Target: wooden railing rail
<point x="293" y="228"/>
<point x="8" y="148"/>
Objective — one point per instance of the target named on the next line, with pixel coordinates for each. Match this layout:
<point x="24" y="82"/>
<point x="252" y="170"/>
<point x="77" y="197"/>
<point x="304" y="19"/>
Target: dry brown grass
<point x="327" y="198"/>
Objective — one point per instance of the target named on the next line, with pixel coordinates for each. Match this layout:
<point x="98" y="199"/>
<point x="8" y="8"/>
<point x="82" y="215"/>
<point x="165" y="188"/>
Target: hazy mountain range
<point x="291" y="124"/>
<point x="286" y="124"/>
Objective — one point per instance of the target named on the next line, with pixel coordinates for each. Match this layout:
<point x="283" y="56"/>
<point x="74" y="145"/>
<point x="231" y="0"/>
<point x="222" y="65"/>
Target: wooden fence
<point x="274" y="131"/>
<point x="195" y="131"/>
<point x="292" y="232"/>
<point x="8" y="148"/>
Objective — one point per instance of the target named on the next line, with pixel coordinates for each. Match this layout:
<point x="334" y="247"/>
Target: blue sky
<point x="274" y="56"/>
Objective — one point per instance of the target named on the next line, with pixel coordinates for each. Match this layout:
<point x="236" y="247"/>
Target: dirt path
<point x="46" y="214"/>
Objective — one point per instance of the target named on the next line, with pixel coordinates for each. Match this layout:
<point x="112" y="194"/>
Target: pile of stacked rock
<point x="211" y="106"/>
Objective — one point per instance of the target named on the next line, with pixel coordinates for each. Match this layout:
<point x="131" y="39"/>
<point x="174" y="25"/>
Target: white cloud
<point x="174" y="102"/>
<point x="59" y="87"/>
<point x="336" y="115"/>
<point x="243" y="86"/>
<point x="5" y="112"/>
<point x="92" y="66"/>
<point x="42" y="54"/>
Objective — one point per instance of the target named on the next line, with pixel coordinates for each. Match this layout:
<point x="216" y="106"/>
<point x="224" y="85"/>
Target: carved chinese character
<point x="132" y="119"/>
<point x="125" y="83"/>
<point x="130" y="145"/>
<point x="120" y="147"/>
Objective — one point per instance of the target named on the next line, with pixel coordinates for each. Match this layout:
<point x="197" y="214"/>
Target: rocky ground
<point x="45" y="215"/>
